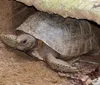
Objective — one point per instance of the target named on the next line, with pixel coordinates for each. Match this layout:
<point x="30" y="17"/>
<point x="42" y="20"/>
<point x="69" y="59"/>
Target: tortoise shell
<point x="68" y="37"/>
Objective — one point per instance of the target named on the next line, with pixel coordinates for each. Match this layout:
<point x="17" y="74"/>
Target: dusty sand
<point x="17" y="68"/>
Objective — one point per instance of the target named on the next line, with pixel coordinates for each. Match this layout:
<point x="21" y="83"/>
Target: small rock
<point x="95" y="81"/>
<point x="17" y="83"/>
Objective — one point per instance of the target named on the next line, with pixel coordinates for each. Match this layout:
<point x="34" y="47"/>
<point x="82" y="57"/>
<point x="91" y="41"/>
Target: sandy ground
<point x="17" y="68"/>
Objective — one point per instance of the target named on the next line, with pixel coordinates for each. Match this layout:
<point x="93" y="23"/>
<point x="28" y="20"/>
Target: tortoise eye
<point x="24" y="41"/>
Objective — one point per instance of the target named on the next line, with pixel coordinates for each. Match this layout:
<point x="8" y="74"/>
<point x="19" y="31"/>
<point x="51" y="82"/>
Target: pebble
<point x="95" y="81"/>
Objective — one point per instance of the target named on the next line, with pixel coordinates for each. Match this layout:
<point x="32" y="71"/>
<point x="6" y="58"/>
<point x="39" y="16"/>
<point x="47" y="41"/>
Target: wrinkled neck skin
<point x="27" y="2"/>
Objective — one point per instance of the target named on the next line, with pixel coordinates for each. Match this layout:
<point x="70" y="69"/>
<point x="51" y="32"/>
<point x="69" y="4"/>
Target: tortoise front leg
<point x="59" y="65"/>
<point x="9" y="39"/>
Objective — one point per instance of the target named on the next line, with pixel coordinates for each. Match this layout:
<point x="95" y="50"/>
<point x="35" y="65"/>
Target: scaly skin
<point x="44" y="53"/>
<point x="10" y="40"/>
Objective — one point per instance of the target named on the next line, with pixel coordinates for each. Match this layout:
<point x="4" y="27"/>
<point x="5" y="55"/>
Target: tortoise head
<point x="22" y="42"/>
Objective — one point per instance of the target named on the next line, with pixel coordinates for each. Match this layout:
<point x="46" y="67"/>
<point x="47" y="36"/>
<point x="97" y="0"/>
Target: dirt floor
<point x="19" y="69"/>
<point x="16" y="68"/>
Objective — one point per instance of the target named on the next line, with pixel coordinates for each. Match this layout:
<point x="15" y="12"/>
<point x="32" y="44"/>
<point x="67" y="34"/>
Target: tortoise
<point x="54" y="39"/>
